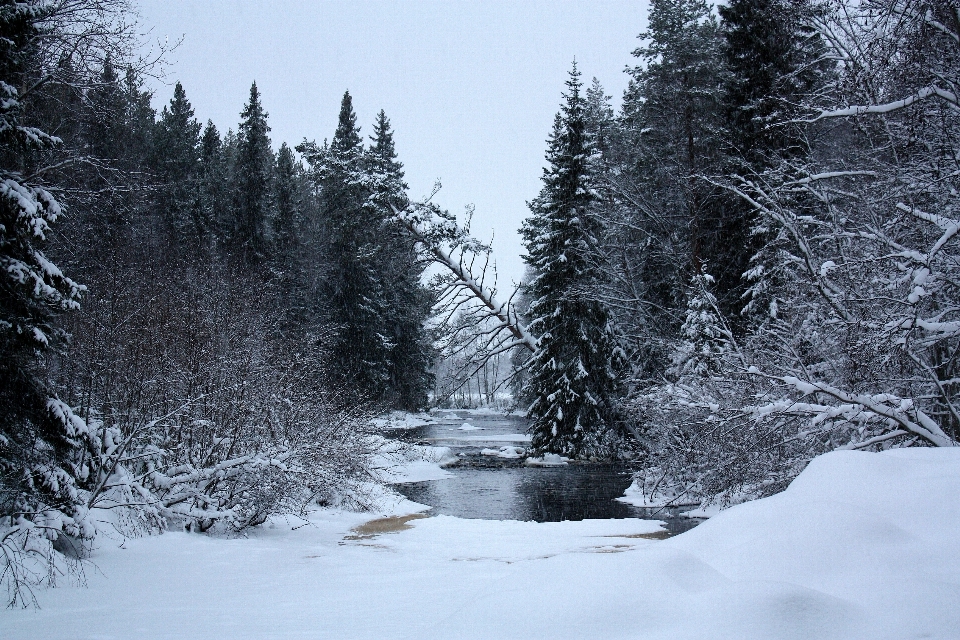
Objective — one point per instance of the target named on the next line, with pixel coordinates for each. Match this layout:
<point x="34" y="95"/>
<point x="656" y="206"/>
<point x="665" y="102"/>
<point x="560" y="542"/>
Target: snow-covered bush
<point x="855" y="304"/>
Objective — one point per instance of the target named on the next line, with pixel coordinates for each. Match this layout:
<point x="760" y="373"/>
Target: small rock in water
<point x="469" y="427"/>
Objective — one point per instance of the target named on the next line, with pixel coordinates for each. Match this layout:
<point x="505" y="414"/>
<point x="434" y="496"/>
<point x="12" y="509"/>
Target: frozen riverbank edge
<point x="861" y="545"/>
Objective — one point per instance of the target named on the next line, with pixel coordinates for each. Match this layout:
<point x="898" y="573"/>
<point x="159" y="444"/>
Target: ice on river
<point x="861" y="545"/>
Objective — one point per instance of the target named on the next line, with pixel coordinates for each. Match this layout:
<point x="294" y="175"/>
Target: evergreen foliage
<point x="176" y="161"/>
<point x="214" y="183"/>
<point x="703" y="341"/>
<point x="671" y="116"/>
<point x="575" y="372"/>
<point x="373" y="283"/>
<point x="407" y="301"/>
<point x="253" y="170"/>
<point x="355" y="286"/>
<point x="41" y="440"/>
<point x="286" y="202"/>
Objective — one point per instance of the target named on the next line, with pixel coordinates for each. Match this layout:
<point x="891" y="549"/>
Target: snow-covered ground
<point x="402" y="420"/>
<point x="398" y="462"/>
<point x="861" y="545"/>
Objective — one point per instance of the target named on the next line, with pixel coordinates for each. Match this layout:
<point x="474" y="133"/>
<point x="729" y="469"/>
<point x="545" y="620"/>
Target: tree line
<point x="194" y="328"/>
<point x="752" y="261"/>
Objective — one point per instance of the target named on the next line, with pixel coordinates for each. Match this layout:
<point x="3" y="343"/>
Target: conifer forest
<point x="747" y="262"/>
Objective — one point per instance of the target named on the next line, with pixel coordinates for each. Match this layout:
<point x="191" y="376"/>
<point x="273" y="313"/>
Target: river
<point x="497" y="488"/>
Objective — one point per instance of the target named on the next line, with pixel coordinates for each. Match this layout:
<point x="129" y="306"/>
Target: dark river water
<point x="495" y="488"/>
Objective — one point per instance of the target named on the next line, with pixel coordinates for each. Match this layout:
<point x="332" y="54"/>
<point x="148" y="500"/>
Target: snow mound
<point x="496" y="437"/>
<point x="665" y="496"/>
<point x="862" y="546"/>
<point x="466" y="426"/>
<point x="402" y="420"/>
<point x="547" y="460"/>
<point x="397" y="462"/>
<point x="510" y="453"/>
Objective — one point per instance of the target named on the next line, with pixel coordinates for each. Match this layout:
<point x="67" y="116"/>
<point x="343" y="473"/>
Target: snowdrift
<point x="861" y="545"/>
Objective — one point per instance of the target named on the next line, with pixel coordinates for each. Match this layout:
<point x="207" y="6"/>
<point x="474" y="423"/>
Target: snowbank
<point x="402" y="420"/>
<point x="510" y="453"/>
<point x="636" y="496"/>
<point x="547" y="460"/>
<point x="861" y="546"/>
<point x="398" y="462"/>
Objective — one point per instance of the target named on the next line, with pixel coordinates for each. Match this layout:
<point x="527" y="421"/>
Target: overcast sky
<point x="470" y="86"/>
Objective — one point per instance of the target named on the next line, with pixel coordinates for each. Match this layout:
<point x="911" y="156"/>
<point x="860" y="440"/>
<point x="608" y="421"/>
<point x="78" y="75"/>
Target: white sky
<point x="470" y="86"/>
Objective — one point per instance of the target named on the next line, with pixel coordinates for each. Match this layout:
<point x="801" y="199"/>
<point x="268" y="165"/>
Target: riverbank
<point x="861" y="545"/>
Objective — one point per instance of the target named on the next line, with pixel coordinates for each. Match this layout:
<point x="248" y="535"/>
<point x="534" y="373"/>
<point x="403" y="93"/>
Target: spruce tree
<point x="41" y="440"/>
<point x="574" y="374"/>
<point x="703" y="341"/>
<point x="355" y="286"/>
<point x="214" y="183"/>
<point x="106" y="115"/>
<point x="774" y="61"/>
<point x="176" y="161"/>
<point x="672" y="121"/>
<point x="407" y="301"/>
<point x="286" y="203"/>
<point x="252" y="174"/>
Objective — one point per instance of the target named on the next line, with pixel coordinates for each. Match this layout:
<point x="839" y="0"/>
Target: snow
<point x="402" y="420"/>
<point x="510" y="453"/>
<point x="466" y="426"/>
<point x="397" y="462"/>
<point x="707" y="511"/>
<point x="861" y="545"/>
<point x="497" y="437"/>
<point x="665" y="496"/>
<point x="547" y="460"/>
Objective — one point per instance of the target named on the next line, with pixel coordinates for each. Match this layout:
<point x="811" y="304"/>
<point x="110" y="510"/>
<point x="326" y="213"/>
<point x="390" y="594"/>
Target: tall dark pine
<point x="362" y="347"/>
<point x="672" y="122"/>
<point x="105" y="125"/>
<point x="407" y="301"/>
<point x="774" y="61"/>
<point x="285" y="200"/>
<point x="574" y="375"/>
<point x="176" y="161"/>
<point x="214" y="183"/>
<point x="253" y="170"/>
<point x="41" y="440"/>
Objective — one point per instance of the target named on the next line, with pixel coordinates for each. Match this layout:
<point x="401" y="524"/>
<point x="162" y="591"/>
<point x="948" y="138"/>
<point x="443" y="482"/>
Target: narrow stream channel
<point x="496" y="488"/>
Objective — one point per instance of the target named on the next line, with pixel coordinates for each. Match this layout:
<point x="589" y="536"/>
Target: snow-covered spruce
<point x="574" y="375"/>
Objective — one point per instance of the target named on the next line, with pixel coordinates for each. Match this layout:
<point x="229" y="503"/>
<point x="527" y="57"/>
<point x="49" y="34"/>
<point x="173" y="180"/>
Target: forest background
<point x="751" y="263"/>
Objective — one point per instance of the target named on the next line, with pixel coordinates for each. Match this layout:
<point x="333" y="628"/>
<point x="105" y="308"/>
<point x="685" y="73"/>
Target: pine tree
<point x="286" y="202"/>
<point x="599" y="118"/>
<point x="106" y="115"/>
<point x="703" y="341"/>
<point x="214" y="183"/>
<point x="41" y="440"/>
<point x="775" y="61"/>
<point x="574" y="375"/>
<point x="252" y="173"/>
<point x="176" y="161"/>
<point x="355" y="287"/>
<point x="672" y="119"/>
<point x="407" y="301"/>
